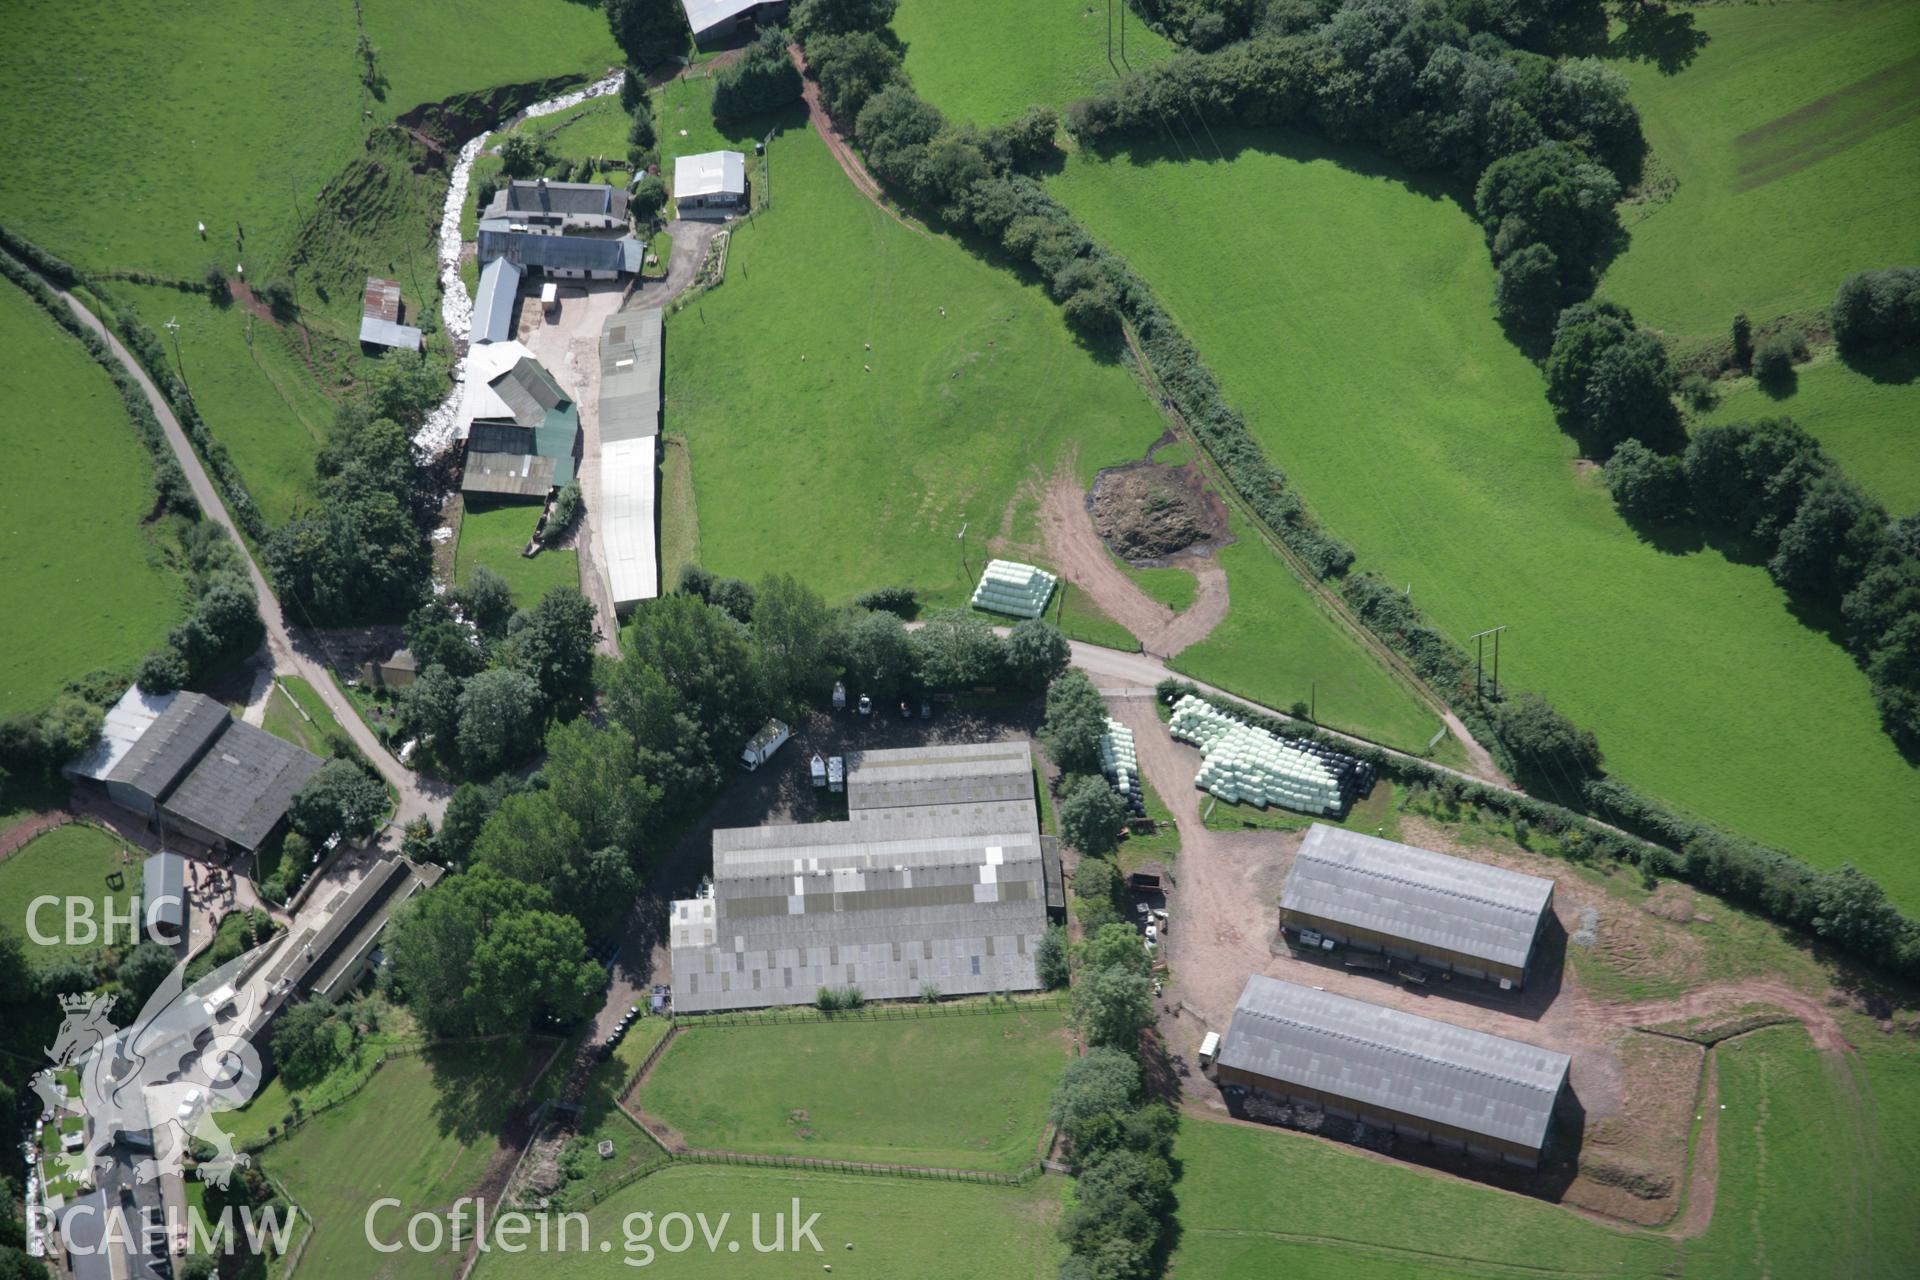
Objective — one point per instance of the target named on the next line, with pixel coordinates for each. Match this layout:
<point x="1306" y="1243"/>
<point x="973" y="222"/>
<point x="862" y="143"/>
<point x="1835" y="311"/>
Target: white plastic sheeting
<point x="1244" y="765"/>
<point x="1013" y="588"/>
<point x="440" y="431"/>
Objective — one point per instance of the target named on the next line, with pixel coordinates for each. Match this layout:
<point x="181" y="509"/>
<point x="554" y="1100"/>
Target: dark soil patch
<point x="1146" y="513"/>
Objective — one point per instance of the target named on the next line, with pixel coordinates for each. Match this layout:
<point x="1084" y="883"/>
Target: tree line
<point x="542" y="864"/>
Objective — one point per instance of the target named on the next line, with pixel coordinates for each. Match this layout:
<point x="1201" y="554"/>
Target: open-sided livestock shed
<point x="939" y="878"/>
<point x="1426" y="1080"/>
<point x="1415" y="904"/>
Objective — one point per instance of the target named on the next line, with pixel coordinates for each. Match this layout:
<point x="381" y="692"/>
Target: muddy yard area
<point x="1609" y="966"/>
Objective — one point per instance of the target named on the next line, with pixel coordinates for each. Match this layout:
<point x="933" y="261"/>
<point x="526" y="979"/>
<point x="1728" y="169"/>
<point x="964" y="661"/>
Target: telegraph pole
<point x="1479" y="639"/>
<point x="173" y="328"/>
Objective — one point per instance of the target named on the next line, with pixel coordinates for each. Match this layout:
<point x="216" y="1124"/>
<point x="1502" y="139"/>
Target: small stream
<point x="456" y="306"/>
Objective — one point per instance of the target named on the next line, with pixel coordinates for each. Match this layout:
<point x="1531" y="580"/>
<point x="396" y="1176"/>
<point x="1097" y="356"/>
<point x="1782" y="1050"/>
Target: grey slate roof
<point x="1395" y="1061"/>
<point x="535" y="196"/>
<point x="171" y="744"/>
<point x="1450" y="903"/>
<point x="559" y="253"/>
<point x="951" y="894"/>
<point x="630" y="375"/>
<point x="493" y="305"/>
<point x="241" y="787"/>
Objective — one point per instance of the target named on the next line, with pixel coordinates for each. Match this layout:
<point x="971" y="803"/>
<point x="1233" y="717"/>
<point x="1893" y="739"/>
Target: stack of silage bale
<point x="1009" y="587"/>
<point x="1244" y="765"/>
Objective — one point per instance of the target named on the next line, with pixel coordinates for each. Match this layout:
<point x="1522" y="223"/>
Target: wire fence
<point x="809" y="1015"/>
<point x="1027" y="1173"/>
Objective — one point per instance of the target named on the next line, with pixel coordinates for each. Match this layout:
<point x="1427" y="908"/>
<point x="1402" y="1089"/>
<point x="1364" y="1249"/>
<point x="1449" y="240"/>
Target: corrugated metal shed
<point x="1400" y="1062"/>
<point x="951" y="894"/>
<point x="1432" y="898"/>
<point x="529" y="392"/>
<point x="170" y="746"/>
<point x="163" y="891"/>
<point x="624" y="525"/>
<point x="241" y="787"/>
<point x="126" y="721"/>
<point x="517" y="475"/>
<point x="495" y="305"/>
<point x="965" y="773"/>
<point x="630" y="375"/>
<point x="381" y="300"/>
<point x="710" y="173"/>
<point x="479" y="402"/>
<point x="705" y="15"/>
<point x="385" y="333"/>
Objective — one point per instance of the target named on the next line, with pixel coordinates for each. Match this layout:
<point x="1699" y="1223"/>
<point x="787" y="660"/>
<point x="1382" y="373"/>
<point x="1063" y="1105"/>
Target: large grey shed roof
<point x="963" y="773"/>
<point x="952" y="894"/>
<point x="710" y="173"/>
<point x="241" y="787"/>
<point x="1451" y="903"/>
<point x="630" y="375"/>
<point x="386" y="333"/>
<point x="530" y="391"/>
<point x="171" y="744"/>
<point x="1394" y="1061"/>
<point x="127" y="721"/>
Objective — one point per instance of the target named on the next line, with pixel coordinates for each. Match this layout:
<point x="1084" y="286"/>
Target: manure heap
<point x="1245" y="765"/>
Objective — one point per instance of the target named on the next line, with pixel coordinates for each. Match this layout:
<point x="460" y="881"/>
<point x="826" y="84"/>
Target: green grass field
<point x="1174" y="588"/>
<point x="963" y="57"/>
<point x="422" y="1131"/>
<point x="1795" y="140"/>
<point x="852" y="479"/>
<point x="679" y="510"/>
<point x="315" y="730"/>
<point x="250" y="384"/>
<point x="214" y="113"/>
<point x="1359" y="343"/>
<point x="73" y="861"/>
<point x="859" y="1090"/>
<point x="494" y="536"/>
<point x="1277" y="646"/>
<point x="82" y="584"/>
<point x="1259" y="1203"/>
<point x="897" y="1229"/>
<point x="1080" y="617"/>
<point x="1872" y="429"/>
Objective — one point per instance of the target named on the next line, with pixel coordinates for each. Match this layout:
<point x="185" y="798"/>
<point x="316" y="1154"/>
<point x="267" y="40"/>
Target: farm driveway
<point x="850" y="163"/>
<point x="291" y="655"/>
<point x="1076" y="550"/>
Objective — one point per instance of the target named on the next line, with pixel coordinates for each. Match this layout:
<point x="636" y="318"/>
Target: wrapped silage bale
<point x="1117" y="758"/>
<point x="1244" y="765"/>
<point x="1008" y="587"/>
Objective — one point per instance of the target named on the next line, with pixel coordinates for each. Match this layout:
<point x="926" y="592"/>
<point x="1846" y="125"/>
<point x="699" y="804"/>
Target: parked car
<point x="866" y="705"/>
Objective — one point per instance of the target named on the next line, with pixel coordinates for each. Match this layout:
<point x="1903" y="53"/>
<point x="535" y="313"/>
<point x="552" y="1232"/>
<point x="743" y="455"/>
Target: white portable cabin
<point x="762" y="745"/>
<point x="818" y="770"/>
<point x="549" y="297"/>
<point x="1209" y="1049"/>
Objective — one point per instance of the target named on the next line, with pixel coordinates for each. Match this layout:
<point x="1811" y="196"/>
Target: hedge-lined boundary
<point x="169" y="482"/>
<point x="24" y="262"/>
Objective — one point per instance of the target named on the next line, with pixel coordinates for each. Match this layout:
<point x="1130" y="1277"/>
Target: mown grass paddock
<point x="858" y="466"/>
<point x="897" y="1228"/>
<point x="1346" y="311"/>
<point x="1865" y="424"/>
<point x="960" y="1092"/>
<point x="83" y="585"/>
<point x="1794" y="141"/>
<point x="423" y="1130"/>
<point x="74" y="861"/>
<point x="494" y="536"/>
<point x="989" y="60"/>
